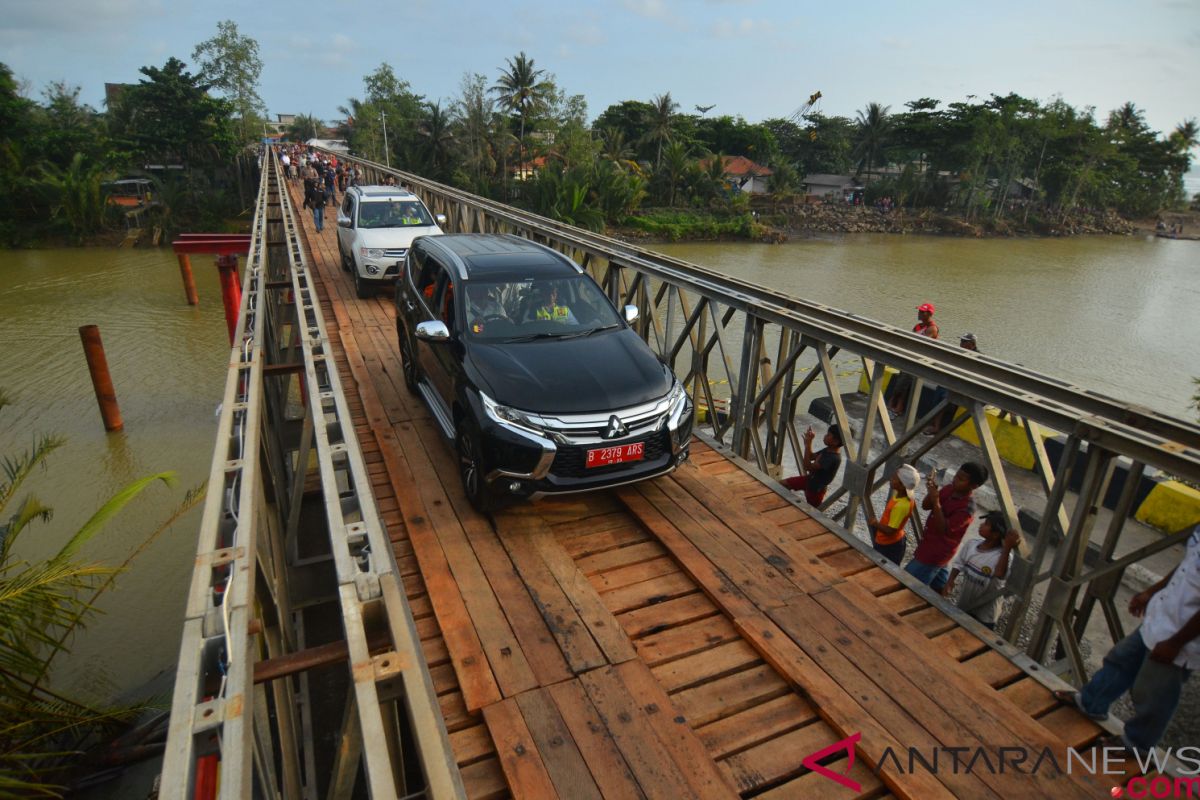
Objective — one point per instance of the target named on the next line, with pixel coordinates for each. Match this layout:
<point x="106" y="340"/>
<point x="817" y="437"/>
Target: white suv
<point x="376" y="224"/>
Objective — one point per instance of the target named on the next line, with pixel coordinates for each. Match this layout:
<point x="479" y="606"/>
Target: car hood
<point x="393" y="238"/>
<point x="606" y="371"/>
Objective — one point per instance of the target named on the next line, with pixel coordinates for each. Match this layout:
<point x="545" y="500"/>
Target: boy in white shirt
<point x="983" y="564"/>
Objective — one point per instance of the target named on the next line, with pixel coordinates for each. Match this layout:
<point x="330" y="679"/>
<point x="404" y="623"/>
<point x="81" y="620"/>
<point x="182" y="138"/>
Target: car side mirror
<point x="344" y="222"/>
<point x="631" y="313"/>
<point x="433" y="331"/>
<point x="441" y="219"/>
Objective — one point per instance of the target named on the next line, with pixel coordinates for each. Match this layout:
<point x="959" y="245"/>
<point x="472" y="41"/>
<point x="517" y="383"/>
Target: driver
<point x="482" y="305"/>
<point x="411" y="215"/>
<point x="548" y="309"/>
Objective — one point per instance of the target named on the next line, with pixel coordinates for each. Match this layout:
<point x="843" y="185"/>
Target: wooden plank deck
<point x="692" y="637"/>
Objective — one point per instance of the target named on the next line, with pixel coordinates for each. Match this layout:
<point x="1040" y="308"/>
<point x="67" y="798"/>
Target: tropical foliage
<point x="43" y="603"/>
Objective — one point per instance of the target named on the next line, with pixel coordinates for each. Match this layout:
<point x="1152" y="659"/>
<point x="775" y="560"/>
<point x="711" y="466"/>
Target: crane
<point x="797" y="117"/>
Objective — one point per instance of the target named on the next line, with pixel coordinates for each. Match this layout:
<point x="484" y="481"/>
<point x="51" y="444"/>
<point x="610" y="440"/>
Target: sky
<point x="754" y="58"/>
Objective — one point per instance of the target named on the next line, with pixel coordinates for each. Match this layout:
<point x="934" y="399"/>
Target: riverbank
<point x="771" y="222"/>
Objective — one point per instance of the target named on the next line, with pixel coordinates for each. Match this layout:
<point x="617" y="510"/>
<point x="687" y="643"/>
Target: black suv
<point x="530" y="370"/>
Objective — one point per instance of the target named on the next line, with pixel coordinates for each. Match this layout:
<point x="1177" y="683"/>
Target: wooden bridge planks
<point x="644" y="642"/>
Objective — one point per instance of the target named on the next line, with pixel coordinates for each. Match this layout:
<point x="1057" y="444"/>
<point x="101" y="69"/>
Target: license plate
<point x="605" y="456"/>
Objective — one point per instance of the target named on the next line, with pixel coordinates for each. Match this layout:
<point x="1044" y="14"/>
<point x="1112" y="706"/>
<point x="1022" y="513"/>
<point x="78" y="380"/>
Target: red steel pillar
<point x="189" y="283"/>
<point x="231" y="292"/>
<point x="106" y="395"/>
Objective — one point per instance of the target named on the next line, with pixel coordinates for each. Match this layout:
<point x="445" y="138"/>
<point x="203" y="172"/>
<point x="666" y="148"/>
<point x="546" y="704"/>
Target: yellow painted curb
<point x="1170" y="506"/>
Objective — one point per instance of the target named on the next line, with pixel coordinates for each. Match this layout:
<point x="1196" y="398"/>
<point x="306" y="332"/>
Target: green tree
<point x="676" y="162"/>
<point x="230" y="63"/>
<point x="68" y="127"/>
<point x="629" y="117"/>
<point x="476" y="123"/>
<point x="169" y="117"/>
<point x="77" y="194"/>
<point x="438" y="134"/>
<point x="873" y="129"/>
<point x="305" y="127"/>
<point x="523" y="91"/>
<point x="660" y="124"/>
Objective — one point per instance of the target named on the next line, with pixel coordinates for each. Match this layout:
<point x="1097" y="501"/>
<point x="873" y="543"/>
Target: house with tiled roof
<point x="744" y="174"/>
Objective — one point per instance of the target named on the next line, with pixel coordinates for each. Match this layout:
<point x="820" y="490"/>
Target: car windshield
<point x="393" y="214"/>
<point x="529" y="309"/>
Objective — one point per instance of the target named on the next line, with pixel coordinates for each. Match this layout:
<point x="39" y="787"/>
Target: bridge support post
<point x="106" y="396"/>
<point x="231" y="292"/>
<point x="189" y="282"/>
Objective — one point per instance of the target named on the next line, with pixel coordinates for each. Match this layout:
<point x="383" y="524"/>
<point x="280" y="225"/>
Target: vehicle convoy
<point x="375" y="226"/>
<point x="531" y="372"/>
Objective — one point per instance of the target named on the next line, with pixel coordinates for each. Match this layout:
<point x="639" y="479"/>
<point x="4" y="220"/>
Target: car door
<point x="345" y="225"/>
<point x="434" y="288"/>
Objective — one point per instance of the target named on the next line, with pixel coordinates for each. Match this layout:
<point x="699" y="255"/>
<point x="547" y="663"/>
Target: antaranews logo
<point x="1112" y="762"/>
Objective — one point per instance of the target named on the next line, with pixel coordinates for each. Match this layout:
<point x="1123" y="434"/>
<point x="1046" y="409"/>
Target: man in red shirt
<point x="951" y="511"/>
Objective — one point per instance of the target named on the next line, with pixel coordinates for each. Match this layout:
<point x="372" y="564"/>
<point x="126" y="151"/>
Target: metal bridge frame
<point x="242" y="713"/>
<point x="695" y="317"/>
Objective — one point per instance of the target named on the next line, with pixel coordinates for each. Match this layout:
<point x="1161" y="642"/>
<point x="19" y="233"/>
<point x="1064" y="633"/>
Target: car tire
<point x="470" y="466"/>
<point x="361" y="287"/>
<point x="346" y="265"/>
<point x="408" y="364"/>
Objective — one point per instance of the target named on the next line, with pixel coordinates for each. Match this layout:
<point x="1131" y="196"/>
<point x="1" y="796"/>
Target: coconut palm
<point x="438" y="138"/>
<point x="522" y="90"/>
<point x="1186" y="136"/>
<point x="660" y="123"/>
<point x="42" y="604"/>
<point x="615" y="148"/>
<point x="675" y="165"/>
<point x="874" y="127"/>
<point x="305" y="127"/>
<point x="76" y="193"/>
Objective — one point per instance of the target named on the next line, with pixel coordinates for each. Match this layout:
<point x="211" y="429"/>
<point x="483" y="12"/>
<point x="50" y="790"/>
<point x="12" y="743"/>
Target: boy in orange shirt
<point x="887" y="532"/>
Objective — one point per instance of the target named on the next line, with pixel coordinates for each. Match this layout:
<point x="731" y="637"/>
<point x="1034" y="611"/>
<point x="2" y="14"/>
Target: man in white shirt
<point x="1153" y="662"/>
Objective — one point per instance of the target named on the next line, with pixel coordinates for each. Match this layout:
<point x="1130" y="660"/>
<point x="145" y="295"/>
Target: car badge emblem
<point x="615" y="429"/>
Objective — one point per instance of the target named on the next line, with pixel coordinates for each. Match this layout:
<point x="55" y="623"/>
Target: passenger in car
<point x="547" y="307"/>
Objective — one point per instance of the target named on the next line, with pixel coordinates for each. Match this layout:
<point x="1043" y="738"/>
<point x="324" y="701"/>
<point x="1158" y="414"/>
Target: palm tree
<point x="523" y="92"/>
<point x="873" y="128"/>
<point x="615" y="149"/>
<point x="661" y="123"/>
<point x="674" y="167"/>
<point x="1186" y="136"/>
<point x="77" y="191"/>
<point x="439" y="139"/>
<point x="305" y="127"/>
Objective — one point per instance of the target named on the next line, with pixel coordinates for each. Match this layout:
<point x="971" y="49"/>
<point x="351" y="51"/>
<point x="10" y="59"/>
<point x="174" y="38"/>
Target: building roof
<point x="741" y="167"/>
<point x="823" y="179"/>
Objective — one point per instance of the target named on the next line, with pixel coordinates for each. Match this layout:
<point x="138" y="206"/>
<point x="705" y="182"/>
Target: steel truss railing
<point x="750" y="353"/>
<point x="242" y="717"/>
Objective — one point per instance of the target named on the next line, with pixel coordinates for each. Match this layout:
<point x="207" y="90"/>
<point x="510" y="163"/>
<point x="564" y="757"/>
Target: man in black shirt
<point x="819" y="468"/>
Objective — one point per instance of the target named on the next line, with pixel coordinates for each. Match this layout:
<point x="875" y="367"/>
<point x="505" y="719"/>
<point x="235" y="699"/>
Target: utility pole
<point x="386" y="153"/>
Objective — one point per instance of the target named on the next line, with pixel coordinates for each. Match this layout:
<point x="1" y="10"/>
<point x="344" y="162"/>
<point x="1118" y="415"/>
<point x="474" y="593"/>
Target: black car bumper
<point x="526" y="464"/>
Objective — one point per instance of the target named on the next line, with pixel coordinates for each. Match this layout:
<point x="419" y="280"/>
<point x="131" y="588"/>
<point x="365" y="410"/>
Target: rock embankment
<point x="803" y="219"/>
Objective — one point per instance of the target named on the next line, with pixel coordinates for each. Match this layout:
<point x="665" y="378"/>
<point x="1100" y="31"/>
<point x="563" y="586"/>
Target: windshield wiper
<point x="581" y="334"/>
<point x="534" y="336"/>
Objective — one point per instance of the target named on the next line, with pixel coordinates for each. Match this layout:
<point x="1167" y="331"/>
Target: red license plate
<point x="605" y="456"/>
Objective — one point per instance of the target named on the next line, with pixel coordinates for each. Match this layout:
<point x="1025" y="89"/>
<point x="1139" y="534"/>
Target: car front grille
<point x="403" y="251"/>
<point x="570" y="460"/>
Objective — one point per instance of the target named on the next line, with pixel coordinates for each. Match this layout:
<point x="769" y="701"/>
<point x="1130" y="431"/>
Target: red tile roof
<point x="740" y="167"/>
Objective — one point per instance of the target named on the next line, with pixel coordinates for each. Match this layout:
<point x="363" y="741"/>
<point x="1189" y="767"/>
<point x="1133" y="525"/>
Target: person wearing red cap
<point x="898" y="389"/>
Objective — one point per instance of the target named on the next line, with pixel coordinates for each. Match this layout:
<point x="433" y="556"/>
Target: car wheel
<point x="470" y="466"/>
<point x="346" y="265"/>
<point x="412" y="372"/>
<point x="361" y="286"/>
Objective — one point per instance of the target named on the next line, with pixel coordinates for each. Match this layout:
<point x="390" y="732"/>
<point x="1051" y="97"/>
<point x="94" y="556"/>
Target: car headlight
<point x="509" y="417"/>
<point x="678" y="403"/>
<point x="370" y="252"/>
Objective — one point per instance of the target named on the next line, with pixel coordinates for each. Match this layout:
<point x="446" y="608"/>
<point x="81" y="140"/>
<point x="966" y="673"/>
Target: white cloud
<point x="654" y="9"/>
<point x="742" y="28"/>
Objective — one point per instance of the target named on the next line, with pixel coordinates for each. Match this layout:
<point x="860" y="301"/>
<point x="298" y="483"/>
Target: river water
<point x="168" y="363"/>
<point x="1113" y="314"/>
